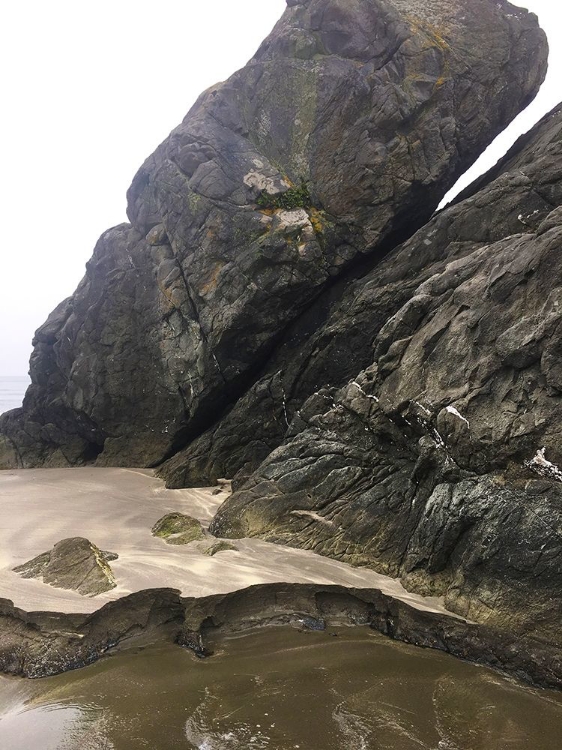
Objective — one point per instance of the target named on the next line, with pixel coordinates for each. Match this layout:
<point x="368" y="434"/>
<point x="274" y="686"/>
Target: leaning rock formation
<point x="335" y="340"/>
<point x="440" y="460"/>
<point x="334" y="143"/>
<point x="74" y="564"/>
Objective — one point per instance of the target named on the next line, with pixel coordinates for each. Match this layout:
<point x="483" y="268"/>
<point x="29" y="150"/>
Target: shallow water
<point x="12" y="391"/>
<point x="280" y="689"/>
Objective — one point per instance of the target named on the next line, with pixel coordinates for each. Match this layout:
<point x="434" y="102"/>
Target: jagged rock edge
<point x="40" y="644"/>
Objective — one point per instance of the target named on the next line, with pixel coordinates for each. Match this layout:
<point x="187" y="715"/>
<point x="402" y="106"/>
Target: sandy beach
<point x="116" y="509"/>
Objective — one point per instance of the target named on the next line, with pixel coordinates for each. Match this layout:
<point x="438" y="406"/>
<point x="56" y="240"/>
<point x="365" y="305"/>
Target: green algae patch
<point x="177" y="528"/>
<point x="293" y="198"/>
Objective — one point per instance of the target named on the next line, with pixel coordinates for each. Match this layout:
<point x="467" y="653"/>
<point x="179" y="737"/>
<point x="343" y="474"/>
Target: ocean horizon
<point x="12" y="391"/>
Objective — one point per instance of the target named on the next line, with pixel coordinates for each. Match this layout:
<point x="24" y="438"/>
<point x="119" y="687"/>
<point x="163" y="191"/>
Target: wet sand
<point x="116" y="509"/>
<point x="280" y="690"/>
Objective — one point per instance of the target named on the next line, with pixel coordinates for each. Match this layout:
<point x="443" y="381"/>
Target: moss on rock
<point x="296" y="197"/>
<point x="177" y="528"/>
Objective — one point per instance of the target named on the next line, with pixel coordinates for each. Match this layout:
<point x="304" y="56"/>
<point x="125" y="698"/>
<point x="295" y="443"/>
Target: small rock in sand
<point x="177" y="528"/>
<point x="220" y="547"/>
<point x="74" y="564"/>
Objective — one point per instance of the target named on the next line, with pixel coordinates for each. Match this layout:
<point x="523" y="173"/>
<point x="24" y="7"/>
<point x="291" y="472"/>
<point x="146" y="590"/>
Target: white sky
<point x="88" y="90"/>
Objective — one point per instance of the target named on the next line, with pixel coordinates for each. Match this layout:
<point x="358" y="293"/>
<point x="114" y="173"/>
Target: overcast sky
<point x="88" y="91"/>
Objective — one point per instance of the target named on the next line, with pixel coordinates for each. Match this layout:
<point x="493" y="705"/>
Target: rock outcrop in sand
<point x="38" y="645"/>
<point x="74" y="564"/>
<point x="220" y="546"/>
<point x="178" y="528"/>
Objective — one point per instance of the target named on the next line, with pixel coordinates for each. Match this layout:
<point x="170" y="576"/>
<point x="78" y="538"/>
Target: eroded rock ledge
<point x="39" y="644"/>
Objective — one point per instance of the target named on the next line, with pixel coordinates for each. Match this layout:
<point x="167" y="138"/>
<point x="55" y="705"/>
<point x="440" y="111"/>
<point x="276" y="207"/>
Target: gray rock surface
<point x="383" y="387"/>
<point x="337" y="140"/>
<point x="335" y="340"/>
<point x="75" y="564"/>
<point x="439" y="460"/>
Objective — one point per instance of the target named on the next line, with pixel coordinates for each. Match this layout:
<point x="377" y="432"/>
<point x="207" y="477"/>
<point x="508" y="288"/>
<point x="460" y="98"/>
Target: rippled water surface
<point x="280" y="689"/>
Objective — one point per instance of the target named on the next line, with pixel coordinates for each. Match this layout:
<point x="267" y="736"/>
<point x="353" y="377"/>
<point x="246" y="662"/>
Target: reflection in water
<point x="279" y="689"/>
<point x="54" y="727"/>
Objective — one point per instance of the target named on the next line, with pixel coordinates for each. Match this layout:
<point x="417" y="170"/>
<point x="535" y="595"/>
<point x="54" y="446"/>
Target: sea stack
<point x="286" y="310"/>
<point x="336" y="142"/>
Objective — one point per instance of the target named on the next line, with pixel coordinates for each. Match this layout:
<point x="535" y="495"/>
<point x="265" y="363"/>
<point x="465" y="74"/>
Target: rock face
<point x="334" y="143"/>
<point x="335" y="340"/>
<point x="438" y="461"/>
<point x="75" y="564"/>
<point x="177" y="528"/>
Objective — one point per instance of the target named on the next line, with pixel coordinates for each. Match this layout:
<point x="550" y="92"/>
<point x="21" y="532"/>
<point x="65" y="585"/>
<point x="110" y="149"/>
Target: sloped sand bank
<point x="116" y="509"/>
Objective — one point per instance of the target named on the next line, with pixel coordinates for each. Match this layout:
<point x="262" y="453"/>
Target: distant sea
<point x="12" y="390"/>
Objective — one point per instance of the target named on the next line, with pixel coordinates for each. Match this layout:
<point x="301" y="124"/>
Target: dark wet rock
<point x="39" y="644"/>
<point x="310" y="623"/>
<point x="220" y="546"/>
<point x="439" y="459"/>
<point x="74" y="564"/>
<point x="178" y="528"/>
<point x="193" y="641"/>
<point x="336" y="141"/>
<point x="382" y="387"/>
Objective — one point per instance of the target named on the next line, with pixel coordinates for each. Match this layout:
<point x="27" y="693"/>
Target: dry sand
<point x="116" y="509"/>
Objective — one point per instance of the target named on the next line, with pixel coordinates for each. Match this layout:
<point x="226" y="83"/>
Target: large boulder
<point x="334" y="143"/>
<point x="440" y="461"/>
